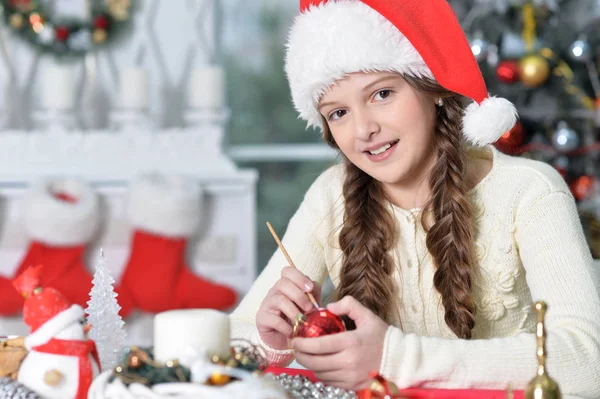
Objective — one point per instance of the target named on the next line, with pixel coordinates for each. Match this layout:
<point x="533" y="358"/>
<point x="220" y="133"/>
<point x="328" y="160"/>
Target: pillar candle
<point x="207" y="88"/>
<point x="58" y="88"/>
<point x="134" y="88"/>
<point x="179" y="333"/>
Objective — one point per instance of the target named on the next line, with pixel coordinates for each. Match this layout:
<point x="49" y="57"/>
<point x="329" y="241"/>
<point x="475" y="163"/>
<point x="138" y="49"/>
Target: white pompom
<point x="485" y="123"/>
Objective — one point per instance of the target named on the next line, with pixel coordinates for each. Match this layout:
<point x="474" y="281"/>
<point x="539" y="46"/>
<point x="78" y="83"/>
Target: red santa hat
<point x="420" y="38"/>
<point x="46" y="311"/>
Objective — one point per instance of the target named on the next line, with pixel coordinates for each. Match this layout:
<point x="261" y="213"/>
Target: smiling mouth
<point x="383" y="148"/>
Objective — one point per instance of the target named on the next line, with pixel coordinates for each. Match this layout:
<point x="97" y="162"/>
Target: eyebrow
<point x="364" y="89"/>
<point x="376" y="82"/>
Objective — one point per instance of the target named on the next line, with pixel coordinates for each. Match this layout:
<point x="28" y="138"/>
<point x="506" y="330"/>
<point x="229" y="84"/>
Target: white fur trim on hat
<point x="485" y="123"/>
<point x="165" y="205"/>
<point x="331" y="40"/>
<point x="54" y="221"/>
<point x="55" y="325"/>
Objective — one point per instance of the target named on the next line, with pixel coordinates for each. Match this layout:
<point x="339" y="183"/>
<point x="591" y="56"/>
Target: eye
<point x="336" y="114"/>
<point x="382" y="94"/>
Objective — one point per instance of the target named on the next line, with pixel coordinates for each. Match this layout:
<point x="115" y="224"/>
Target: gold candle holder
<point x="541" y="386"/>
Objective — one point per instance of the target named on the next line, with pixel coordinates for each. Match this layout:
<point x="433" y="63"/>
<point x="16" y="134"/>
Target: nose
<point x="365" y="124"/>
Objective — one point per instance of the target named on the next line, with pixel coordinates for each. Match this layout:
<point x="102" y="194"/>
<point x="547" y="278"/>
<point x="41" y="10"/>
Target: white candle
<point x="207" y="88"/>
<point x="58" y="88"/>
<point x="181" y="333"/>
<point x="134" y="88"/>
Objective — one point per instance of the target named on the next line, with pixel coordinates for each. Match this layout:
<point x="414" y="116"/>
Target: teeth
<point x="380" y="149"/>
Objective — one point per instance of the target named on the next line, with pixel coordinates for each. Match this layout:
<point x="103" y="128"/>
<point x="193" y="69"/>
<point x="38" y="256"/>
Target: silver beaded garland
<point x="301" y="387"/>
<point x="11" y="389"/>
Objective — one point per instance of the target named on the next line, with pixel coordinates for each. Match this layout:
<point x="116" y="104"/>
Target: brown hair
<point x="369" y="232"/>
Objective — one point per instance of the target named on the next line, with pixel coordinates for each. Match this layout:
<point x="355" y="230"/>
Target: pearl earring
<point x="440" y="102"/>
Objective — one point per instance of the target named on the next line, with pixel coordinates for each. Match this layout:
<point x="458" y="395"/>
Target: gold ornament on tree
<point x="541" y="386"/>
<point x="534" y="70"/>
<point x="16" y="21"/>
<point x="119" y="9"/>
<point x="99" y="36"/>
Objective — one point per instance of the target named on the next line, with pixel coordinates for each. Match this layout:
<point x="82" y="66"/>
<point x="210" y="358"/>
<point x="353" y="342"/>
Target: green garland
<point x="66" y="37"/>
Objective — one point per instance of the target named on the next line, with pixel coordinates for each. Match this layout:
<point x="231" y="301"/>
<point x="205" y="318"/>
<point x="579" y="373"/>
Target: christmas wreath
<point x="32" y="20"/>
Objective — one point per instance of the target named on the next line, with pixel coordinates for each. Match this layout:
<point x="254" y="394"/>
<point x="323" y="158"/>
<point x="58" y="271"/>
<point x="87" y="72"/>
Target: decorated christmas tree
<point x="103" y="315"/>
<point x="543" y="55"/>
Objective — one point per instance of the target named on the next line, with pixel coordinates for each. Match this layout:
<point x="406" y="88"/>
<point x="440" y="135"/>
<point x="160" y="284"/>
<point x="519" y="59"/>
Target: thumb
<point x="350" y="307"/>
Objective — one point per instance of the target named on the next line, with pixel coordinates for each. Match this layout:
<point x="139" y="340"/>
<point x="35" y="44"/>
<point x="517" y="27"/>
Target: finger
<point x="319" y="363"/>
<point x="297" y="277"/>
<point x="326" y="344"/>
<point x="288" y="288"/>
<point x="350" y="307"/>
<point x="273" y="322"/>
<point x="282" y="305"/>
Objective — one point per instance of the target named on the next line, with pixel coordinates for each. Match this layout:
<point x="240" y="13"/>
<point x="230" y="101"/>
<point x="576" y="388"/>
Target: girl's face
<point x="382" y="125"/>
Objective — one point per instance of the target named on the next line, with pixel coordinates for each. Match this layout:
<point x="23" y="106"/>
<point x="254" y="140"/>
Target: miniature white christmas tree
<point x="103" y="315"/>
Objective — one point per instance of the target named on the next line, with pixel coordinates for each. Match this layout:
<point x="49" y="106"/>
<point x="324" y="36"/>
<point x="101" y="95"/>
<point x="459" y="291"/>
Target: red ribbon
<point x="81" y="349"/>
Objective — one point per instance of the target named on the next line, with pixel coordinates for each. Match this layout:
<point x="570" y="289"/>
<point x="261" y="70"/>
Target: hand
<point x="345" y="359"/>
<point x="277" y="313"/>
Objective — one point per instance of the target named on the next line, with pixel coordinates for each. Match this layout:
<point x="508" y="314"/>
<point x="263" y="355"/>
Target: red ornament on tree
<point x="101" y="22"/>
<point x="582" y="187"/>
<point x="62" y="33"/>
<point x="317" y="323"/>
<point x="21" y="5"/>
<point x="512" y="138"/>
<point x="508" y="71"/>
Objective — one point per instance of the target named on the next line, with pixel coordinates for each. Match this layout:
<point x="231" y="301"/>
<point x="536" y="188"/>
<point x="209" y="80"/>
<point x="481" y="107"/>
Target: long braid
<point x="450" y="238"/>
<point x="366" y="238"/>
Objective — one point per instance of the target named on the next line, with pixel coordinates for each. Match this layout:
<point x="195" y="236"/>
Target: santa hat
<point x="419" y="38"/>
<point x="46" y="311"/>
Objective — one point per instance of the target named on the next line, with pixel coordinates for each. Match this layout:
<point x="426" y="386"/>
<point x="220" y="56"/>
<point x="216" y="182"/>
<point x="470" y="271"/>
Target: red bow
<point x="81" y="349"/>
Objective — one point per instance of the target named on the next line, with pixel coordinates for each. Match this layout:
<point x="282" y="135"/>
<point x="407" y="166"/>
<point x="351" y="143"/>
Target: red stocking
<point x="61" y="217"/>
<point x="164" y="213"/>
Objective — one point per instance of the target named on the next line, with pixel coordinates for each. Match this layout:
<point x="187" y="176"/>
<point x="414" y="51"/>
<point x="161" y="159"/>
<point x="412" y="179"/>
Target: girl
<point x="437" y="249"/>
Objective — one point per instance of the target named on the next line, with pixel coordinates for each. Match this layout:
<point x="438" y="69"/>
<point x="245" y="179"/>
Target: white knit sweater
<point x="530" y="246"/>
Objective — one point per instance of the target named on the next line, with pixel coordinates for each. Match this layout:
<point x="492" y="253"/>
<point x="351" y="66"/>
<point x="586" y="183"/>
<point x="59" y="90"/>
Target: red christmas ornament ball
<point x="62" y="33"/>
<point x="582" y="187"/>
<point x="508" y="71"/>
<point x="513" y="137"/>
<point x="101" y="22"/>
<point x="317" y="323"/>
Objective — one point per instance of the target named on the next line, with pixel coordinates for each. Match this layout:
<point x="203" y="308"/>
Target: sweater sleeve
<point x="304" y="240"/>
<point x="560" y="271"/>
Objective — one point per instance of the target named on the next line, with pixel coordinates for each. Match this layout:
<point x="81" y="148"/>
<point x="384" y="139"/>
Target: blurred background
<point x="107" y="90"/>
